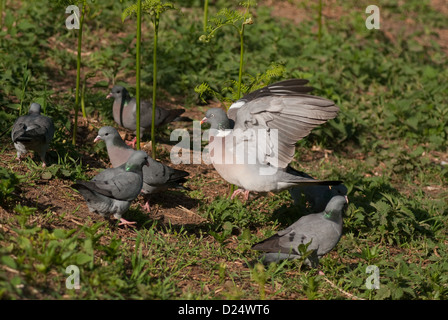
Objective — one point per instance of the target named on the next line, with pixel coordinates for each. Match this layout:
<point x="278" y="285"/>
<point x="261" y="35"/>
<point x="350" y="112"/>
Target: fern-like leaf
<point x="205" y="89"/>
<point x="275" y="70"/>
<point x="131" y="10"/>
<point x="151" y="7"/>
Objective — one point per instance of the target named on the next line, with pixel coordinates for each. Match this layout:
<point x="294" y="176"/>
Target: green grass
<point x="387" y="144"/>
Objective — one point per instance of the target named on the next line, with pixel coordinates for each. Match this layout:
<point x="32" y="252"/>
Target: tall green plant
<point x="237" y="20"/>
<point x="153" y="8"/>
<point x="2" y="6"/>
<point x="83" y="93"/>
<point x="78" y="71"/>
<point x="205" y="15"/>
<point x="137" y="9"/>
<point x="21" y="92"/>
<point x="319" y="20"/>
<point x="83" y="11"/>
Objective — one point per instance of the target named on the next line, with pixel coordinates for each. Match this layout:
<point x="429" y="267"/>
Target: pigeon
<point x="252" y="145"/>
<point x="316" y="197"/>
<point x="157" y="177"/>
<point x="33" y="132"/>
<point x="125" y="107"/>
<point x="321" y="230"/>
<point x="112" y="191"/>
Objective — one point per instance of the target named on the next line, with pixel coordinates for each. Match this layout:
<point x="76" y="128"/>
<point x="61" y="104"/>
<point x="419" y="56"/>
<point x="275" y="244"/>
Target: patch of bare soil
<point x="289" y="10"/>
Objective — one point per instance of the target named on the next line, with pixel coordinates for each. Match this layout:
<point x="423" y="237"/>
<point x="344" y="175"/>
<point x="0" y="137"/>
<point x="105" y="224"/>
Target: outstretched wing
<point x="280" y="115"/>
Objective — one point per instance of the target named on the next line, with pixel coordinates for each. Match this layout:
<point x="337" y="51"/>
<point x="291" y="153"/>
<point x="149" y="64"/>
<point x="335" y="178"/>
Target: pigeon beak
<point x="204" y="120"/>
<point x="96" y="139"/>
<point x="346" y="199"/>
<point x="109" y="96"/>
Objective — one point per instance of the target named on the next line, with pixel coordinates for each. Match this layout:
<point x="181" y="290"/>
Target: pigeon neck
<point x="331" y="215"/>
<point x="122" y="102"/>
<point x="223" y="125"/>
<point x="132" y="167"/>
<point x="118" y="142"/>
<point x="222" y="129"/>
<point x="125" y="98"/>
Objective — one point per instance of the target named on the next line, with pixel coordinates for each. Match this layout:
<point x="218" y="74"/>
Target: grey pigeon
<point x="323" y="230"/>
<point x="112" y="191"/>
<point x="252" y="145"/>
<point x="125" y="108"/>
<point x="33" y="132"/>
<point x="157" y="177"/>
<point x="316" y="197"/>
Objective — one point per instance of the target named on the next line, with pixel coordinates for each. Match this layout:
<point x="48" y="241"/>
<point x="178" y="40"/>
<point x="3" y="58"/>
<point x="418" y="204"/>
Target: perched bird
<point x="316" y="197"/>
<point x="33" y="132"/>
<point x="323" y="230"/>
<point x="112" y="191"/>
<point x="125" y="108"/>
<point x="252" y="145"/>
<point x="157" y="177"/>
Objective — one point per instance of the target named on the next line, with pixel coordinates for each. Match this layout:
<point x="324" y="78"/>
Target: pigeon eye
<point x="106" y="134"/>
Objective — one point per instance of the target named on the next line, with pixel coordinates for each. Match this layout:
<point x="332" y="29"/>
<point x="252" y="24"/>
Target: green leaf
<point x="59" y="233"/>
<point x="128" y="12"/>
<point x="66" y="173"/>
<point x="47" y="175"/>
<point x="82" y="258"/>
<point x="9" y="262"/>
<point x="228" y="226"/>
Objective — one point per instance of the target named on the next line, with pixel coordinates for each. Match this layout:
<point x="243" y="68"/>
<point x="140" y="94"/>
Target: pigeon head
<point x="118" y="92"/>
<point x="106" y="134"/>
<point x="217" y="118"/>
<point x="137" y="160"/>
<point x="335" y="207"/>
<point x="35" y="108"/>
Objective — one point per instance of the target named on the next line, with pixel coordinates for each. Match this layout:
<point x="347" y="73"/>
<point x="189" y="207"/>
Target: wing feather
<point x="291" y="117"/>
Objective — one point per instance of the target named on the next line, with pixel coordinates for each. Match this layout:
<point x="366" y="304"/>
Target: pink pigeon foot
<point x="126" y="222"/>
<point x="132" y="142"/>
<point x="238" y="191"/>
<point x="146" y="207"/>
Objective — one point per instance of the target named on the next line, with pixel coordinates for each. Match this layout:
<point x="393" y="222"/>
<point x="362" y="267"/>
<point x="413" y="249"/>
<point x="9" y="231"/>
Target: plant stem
<point x="25" y="79"/>
<point x="319" y="20"/>
<point x="83" y="104"/>
<point x="44" y="106"/>
<point x="1" y="14"/>
<point x="78" y="73"/>
<point x="205" y="14"/>
<point x="154" y="85"/>
<point x="240" y="73"/>
<point x="240" y="78"/>
<point x="139" y="35"/>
